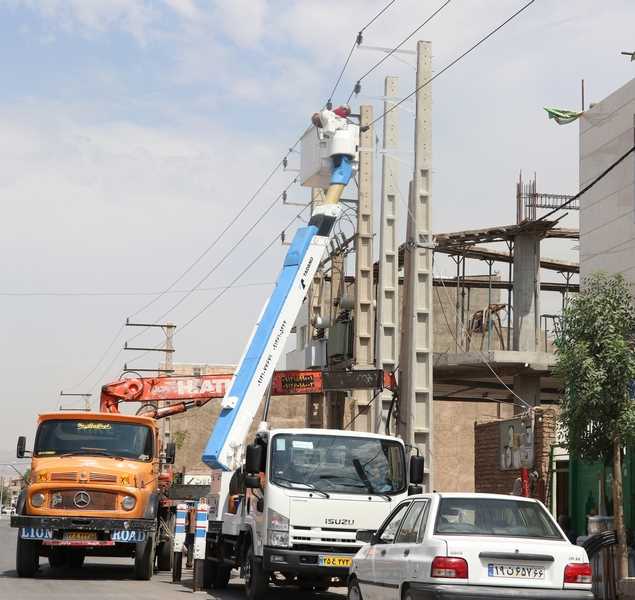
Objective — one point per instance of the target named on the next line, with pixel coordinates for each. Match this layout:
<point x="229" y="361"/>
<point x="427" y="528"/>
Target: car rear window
<point x="493" y="516"/>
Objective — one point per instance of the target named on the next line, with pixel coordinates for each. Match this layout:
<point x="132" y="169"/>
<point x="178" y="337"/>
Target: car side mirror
<point x="253" y="458"/>
<point x="21" y="447"/>
<point x="170" y="453"/>
<point x="417" y="469"/>
<point x="365" y="535"/>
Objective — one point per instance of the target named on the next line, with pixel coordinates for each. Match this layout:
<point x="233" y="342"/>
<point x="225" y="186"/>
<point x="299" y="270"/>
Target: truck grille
<point x="63" y="476"/>
<point x="322" y="535"/>
<point x="83" y="500"/>
<point x="103" y="478"/>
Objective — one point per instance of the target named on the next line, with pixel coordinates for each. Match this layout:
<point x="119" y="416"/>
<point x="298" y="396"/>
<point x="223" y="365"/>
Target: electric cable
<point x="357" y="87"/>
<point x="586" y="188"/>
<point x="450" y="65"/>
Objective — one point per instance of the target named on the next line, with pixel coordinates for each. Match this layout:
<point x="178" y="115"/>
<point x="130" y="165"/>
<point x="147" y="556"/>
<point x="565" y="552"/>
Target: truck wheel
<point x="144" y="559"/>
<point x="76" y="560"/>
<point x="256" y="584"/>
<point x="164" y="549"/>
<point x="27" y="557"/>
<point x="223" y="575"/>
<point x="57" y="558"/>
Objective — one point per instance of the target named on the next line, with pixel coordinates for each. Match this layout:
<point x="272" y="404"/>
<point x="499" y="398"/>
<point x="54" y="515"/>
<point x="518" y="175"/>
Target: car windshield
<point x="105" y="438"/>
<point x="492" y="516"/>
<point x="351" y="465"/>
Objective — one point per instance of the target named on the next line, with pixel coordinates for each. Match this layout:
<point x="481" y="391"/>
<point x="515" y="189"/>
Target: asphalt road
<point x="112" y="579"/>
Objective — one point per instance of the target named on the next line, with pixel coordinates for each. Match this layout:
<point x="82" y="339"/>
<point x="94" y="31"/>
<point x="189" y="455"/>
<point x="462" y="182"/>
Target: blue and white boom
<point x="338" y="140"/>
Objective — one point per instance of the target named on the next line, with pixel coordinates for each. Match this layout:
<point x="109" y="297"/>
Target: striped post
<point x="178" y="542"/>
<point x="200" y="543"/>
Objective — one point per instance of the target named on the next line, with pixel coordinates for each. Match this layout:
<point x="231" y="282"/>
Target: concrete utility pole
<point x="387" y="330"/>
<point x="415" y="406"/>
<point x="335" y="400"/>
<point x="364" y="324"/>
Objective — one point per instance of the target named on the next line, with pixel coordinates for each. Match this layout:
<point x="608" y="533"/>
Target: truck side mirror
<point x="252" y="482"/>
<point x="170" y="453"/>
<point x="21" y="447"/>
<point x="253" y="459"/>
<point x="417" y="464"/>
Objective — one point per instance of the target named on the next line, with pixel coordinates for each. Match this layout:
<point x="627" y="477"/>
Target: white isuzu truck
<point x="285" y="509"/>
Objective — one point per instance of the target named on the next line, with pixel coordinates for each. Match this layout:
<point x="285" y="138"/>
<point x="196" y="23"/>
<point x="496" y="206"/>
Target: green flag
<point x="562" y="117"/>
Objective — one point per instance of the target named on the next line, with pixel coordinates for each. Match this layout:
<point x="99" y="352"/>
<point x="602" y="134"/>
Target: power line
<point x="357" y="87"/>
<point x="358" y="41"/>
<point x="601" y="176"/>
<point x="451" y="64"/>
<point x="222" y="260"/>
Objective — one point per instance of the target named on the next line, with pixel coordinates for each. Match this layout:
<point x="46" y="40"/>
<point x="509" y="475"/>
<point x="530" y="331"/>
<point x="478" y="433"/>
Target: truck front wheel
<point x="256" y="580"/>
<point x="144" y="559"/>
<point x="27" y="557"/>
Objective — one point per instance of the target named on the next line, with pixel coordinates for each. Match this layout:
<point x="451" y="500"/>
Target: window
<point x="389" y="530"/>
<point x="338" y="464"/>
<point x="94" y="437"/>
<point x="491" y="516"/>
<point x="409" y="530"/>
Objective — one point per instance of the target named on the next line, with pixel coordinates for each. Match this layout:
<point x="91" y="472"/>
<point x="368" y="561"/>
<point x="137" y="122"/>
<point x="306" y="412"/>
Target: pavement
<point x="113" y="579"/>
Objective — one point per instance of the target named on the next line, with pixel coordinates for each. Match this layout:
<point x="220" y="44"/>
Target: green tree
<point x="596" y="363"/>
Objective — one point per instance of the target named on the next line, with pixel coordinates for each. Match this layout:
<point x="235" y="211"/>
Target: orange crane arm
<point x="185" y="392"/>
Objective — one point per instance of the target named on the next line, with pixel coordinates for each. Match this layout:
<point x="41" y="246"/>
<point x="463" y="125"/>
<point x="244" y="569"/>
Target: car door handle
<point x="383" y="553"/>
<point x="406" y="552"/>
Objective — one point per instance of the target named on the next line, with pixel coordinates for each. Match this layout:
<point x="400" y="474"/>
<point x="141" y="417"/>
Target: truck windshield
<point x="350" y="465"/>
<point x="100" y="438"/>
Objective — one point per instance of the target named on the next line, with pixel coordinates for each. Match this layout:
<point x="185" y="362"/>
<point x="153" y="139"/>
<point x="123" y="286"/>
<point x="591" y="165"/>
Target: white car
<point x="469" y="547"/>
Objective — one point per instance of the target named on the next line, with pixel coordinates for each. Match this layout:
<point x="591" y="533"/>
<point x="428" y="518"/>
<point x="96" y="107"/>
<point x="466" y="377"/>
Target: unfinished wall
<point x="489" y="477"/>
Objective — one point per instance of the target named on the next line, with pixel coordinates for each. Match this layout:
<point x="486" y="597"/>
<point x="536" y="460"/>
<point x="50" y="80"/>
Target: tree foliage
<point x="596" y="362"/>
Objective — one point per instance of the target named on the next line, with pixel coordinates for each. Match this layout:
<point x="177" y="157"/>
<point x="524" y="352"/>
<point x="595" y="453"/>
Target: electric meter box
<point x="315" y="162"/>
<point x="317" y="147"/>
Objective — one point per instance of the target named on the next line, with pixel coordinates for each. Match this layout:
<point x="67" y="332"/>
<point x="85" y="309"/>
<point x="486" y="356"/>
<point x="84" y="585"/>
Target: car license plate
<point x="36" y="533"/>
<point x="515" y="571"/>
<point x="326" y="560"/>
<point x="128" y="536"/>
<point x="80" y="536"/>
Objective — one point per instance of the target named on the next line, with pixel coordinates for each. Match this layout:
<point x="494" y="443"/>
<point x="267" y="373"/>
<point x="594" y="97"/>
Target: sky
<point x="133" y="131"/>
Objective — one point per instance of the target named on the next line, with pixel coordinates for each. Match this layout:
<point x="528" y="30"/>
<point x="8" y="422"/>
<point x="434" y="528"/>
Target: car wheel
<point x="27" y="557"/>
<point x="354" y="593"/>
<point x="407" y="595"/>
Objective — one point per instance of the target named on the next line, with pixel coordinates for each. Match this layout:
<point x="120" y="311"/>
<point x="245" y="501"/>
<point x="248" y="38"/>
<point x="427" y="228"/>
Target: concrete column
<point x="526" y="310"/>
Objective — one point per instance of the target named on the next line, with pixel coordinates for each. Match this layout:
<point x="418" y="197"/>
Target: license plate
<point x="128" y="536"/>
<point x="36" y="533"/>
<point x="335" y="561"/>
<point x="80" y="536"/>
<point x="515" y="571"/>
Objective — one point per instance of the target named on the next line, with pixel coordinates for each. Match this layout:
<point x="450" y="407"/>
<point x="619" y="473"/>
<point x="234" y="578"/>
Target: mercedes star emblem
<point x="81" y="499"/>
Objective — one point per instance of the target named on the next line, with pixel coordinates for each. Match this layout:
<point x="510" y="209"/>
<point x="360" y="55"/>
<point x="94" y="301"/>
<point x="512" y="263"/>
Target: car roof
<point x="473" y="495"/>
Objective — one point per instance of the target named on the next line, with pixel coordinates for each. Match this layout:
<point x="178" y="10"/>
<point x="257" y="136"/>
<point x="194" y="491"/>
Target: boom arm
<point x="256" y="366"/>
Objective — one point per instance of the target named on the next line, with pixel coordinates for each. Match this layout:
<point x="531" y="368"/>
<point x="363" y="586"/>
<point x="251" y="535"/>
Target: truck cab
<point x="95" y="489"/>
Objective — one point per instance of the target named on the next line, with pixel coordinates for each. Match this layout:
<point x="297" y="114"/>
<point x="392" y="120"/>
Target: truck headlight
<point x="37" y="499"/>
<point x="277" y="529"/>
<point x="128" y="502"/>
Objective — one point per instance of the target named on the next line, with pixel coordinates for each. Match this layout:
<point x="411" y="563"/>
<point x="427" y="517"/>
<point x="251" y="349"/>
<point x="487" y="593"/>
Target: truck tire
<point x="144" y="559"/>
<point x="216" y="575"/>
<point x="27" y="557"/>
<point x="256" y="580"/>
<point x="57" y="558"/>
<point x="164" y="549"/>
<point x="76" y="560"/>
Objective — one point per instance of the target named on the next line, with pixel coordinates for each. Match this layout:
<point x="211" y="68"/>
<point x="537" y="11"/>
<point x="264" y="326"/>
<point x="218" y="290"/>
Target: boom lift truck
<point x="285" y="509"/>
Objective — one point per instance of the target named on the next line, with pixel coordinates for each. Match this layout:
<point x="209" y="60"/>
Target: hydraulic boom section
<point x="338" y="140"/>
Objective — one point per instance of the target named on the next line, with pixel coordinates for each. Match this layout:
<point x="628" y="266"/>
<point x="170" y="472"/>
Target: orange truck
<point x="96" y="488"/>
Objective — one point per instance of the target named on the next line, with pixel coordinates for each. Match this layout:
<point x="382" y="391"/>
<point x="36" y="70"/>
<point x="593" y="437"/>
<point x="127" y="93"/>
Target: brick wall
<point x="489" y="477"/>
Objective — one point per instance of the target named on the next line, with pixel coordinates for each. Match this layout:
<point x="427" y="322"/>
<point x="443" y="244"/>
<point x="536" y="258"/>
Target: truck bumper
<point x="300" y="562"/>
<point x="82" y="523"/>
<point x="425" y="591"/>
